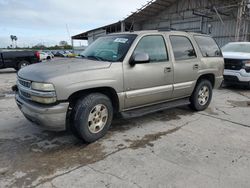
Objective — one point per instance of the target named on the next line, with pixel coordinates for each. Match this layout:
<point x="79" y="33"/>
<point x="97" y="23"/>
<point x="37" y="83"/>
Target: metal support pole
<point x="240" y="22"/>
<point x="122" y="26"/>
<point x="72" y="44"/>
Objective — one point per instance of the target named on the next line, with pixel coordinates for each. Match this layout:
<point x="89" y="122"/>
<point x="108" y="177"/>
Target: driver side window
<point x="154" y="46"/>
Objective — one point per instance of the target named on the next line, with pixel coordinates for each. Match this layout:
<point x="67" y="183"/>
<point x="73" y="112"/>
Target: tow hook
<point x="14" y="88"/>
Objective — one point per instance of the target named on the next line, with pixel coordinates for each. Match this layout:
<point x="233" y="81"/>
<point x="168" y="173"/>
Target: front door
<point x="150" y="82"/>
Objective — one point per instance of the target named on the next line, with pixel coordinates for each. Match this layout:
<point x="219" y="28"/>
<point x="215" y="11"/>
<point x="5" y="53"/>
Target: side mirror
<point x="139" y="58"/>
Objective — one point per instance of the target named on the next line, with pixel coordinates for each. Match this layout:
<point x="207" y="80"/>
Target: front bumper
<point x="240" y="75"/>
<point x="49" y="117"/>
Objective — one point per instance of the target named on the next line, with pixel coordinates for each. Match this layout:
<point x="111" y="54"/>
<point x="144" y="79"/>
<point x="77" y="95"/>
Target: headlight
<point x="42" y="86"/>
<point x="43" y="100"/>
<point x="247" y="66"/>
<point x="247" y="63"/>
<point x="44" y="93"/>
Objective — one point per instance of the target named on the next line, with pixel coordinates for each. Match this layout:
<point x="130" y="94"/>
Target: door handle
<point x="196" y="66"/>
<point x="167" y="69"/>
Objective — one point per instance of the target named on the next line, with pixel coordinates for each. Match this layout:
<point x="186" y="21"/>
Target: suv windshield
<point x="237" y="47"/>
<point x="110" y="48"/>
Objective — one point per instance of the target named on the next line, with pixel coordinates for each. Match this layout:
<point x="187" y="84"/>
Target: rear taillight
<point x="37" y="54"/>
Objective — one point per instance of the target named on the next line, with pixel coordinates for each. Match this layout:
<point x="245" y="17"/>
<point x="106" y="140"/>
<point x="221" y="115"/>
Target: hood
<point x="236" y="55"/>
<point x="42" y="72"/>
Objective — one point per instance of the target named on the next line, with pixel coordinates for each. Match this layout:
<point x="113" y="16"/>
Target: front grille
<point x="233" y="64"/>
<point x="24" y="94"/>
<point x="24" y="83"/>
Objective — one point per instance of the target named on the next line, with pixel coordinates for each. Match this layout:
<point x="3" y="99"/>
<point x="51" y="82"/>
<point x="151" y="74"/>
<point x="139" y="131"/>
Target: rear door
<point x="150" y="82"/>
<point x="186" y="65"/>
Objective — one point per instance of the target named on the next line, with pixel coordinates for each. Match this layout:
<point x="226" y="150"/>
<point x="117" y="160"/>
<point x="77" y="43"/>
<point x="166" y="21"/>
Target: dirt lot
<point x="173" y="148"/>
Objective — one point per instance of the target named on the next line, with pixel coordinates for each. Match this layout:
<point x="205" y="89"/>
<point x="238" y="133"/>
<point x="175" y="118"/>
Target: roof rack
<point x="166" y="29"/>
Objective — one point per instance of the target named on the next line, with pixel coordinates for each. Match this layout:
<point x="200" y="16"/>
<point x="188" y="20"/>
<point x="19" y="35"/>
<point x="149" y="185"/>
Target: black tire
<point x="22" y="64"/>
<point x="82" y="111"/>
<point x="201" y="102"/>
<point x="70" y="124"/>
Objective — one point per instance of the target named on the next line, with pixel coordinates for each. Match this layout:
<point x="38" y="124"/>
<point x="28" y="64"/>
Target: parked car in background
<point x="131" y="74"/>
<point x="18" y="59"/>
<point x="237" y="63"/>
<point x="64" y="53"/>
<point x="45" y="56"/>
<point x="70" y="54"/>
<point x="78" y="52"/>
<point x="60" y="54"/>
<point x="51" y="55"/>
<point x="53" y="52"/>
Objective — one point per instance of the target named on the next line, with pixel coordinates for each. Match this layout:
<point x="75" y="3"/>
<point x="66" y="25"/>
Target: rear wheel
<point x="202" y="95"/>
<point x="22" y="64"/>
<point x="93" y="115"/>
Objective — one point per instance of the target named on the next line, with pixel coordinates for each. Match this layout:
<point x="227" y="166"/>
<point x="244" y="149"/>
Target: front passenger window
<point x="154" y="46"/>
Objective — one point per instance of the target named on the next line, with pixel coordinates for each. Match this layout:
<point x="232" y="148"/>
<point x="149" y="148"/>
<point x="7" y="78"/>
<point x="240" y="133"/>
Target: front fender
<point x="65" y="92"/>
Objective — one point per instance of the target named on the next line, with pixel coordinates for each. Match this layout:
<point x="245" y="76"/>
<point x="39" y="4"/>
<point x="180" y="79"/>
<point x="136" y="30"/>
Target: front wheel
<point x="93" y="115"/>
<point x="202" y="95"/>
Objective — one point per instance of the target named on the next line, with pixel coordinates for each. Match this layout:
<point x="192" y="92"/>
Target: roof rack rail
<point x="190" y="31"/>
<point x="166" y="29"/>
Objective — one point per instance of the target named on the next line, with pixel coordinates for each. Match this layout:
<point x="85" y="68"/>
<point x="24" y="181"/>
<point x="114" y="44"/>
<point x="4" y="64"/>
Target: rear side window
<point x="154" y="46"/>
<point x="182" y="48"/>
<point x="208" y="46"/>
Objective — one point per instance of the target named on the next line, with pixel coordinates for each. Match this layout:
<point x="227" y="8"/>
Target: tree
<point x="63" y="43"/>
<point x="39" y="46"/>
<point x="15" y="39"/>
<point x="12" y="39"/>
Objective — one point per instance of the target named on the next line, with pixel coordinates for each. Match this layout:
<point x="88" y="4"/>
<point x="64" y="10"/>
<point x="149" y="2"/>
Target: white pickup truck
<point x="237" y="63"/>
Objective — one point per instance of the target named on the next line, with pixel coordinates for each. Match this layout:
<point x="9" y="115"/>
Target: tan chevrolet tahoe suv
<point x="130" y="74"/>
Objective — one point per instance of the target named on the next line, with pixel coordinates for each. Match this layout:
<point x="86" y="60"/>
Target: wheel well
<point x="209" y="77"/>
<point x="22" y="59"/>
<point x="108" y="91"/>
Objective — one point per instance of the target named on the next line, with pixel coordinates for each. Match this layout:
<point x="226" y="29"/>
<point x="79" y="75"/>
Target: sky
<point x="46" y="21"/>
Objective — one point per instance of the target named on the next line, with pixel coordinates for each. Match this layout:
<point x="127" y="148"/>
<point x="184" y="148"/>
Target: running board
<point x="154" y="108"/>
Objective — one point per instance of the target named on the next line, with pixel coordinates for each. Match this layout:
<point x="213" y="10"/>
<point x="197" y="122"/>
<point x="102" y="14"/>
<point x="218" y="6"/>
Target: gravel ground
<point x="173" y="148"/>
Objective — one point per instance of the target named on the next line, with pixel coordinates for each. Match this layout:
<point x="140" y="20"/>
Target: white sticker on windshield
<point x="121" y="40"/>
